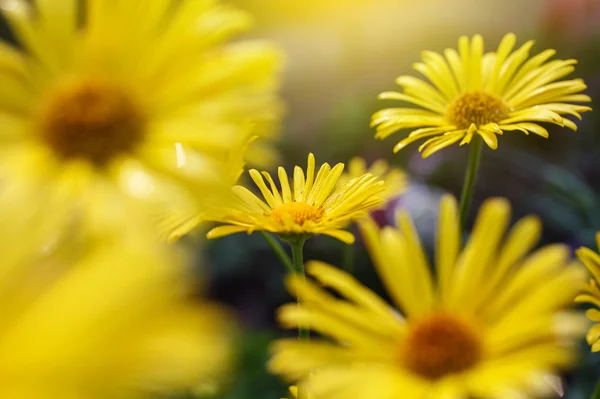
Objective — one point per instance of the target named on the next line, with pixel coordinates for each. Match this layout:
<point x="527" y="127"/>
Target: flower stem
<point x="348" y="258"/>
<point x="297" y="255"/>
<point x="596" y="393"/>
<point x="468" y="188"/>
<point x="297" y="258"/>
<point x="279" y="251"/>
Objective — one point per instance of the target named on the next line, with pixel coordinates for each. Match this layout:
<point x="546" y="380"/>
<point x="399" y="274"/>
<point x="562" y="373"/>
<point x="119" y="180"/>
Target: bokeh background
<point x="340" y="55"/>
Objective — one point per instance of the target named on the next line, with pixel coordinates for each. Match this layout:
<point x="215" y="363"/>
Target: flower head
<point x="493" y="321"/>
<point x="115" y="316"/>
<point x="313" y="206"/>
<point x="591" y="293"/>
<point x="395" y="179"/>
<point x="147" y="96"/>
<point x="470" y="93"/>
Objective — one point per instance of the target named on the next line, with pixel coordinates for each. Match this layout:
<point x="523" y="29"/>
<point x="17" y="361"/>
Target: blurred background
<point x="341" y="54"/>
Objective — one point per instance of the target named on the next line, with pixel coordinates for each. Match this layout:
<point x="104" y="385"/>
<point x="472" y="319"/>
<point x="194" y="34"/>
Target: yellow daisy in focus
<point x="493" y="323"/>
<point x="395" y="179"/>
<point x="591" y="294"/>
<point x="309" y="205"/>
<point x="148" y="95"/>
<point x="471" y="93"/>
<point x="114" y="318"/>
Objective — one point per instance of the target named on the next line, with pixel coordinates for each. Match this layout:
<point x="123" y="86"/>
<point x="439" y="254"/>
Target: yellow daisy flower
<point x="492" y="323"/>
<point x="144" y="94"/>
<point x="591" y="293"/>
<point x="395" y="179"/>
<point x="113" y="318"/>
<point x="314" y="206"/>
<point x="470" y="92"/>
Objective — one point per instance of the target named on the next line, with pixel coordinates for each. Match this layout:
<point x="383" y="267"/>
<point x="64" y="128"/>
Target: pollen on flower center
<point x="476" y="107"/>
<point x="92" y="120"/>
<point x="440" y="344"/>
<point x="298" y="212"/>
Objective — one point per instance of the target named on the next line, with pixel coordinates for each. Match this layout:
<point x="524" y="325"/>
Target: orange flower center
<point x="440" y="344"/>
<point x="476" y="107"/>
<point x="92" y="120"/>
<point x="298" y="212"/>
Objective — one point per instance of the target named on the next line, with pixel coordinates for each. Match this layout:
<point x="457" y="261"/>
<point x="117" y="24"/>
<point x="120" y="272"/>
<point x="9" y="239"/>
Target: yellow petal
<point x="222" y="231"/>
<point x="342" y="235"/>
<point x="448" y="242"/>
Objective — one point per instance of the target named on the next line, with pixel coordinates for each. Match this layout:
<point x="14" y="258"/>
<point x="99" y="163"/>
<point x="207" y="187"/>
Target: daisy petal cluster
<point x="469" y="93"/>
<point x="310" y="204"/>
<point x="396" y="181"/>
<point x="440" y="340"/>
<point x="591" y="292"/>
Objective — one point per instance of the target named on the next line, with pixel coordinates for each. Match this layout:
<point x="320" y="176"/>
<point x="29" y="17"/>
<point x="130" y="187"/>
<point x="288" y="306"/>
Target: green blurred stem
<point x="297" y="258"/>
<point x="596" y="393"/>
<point x="348" y="258"/>
<point x="468" y="188"/>
<point x="297" y="255"/>
<point x="279" y="251"/>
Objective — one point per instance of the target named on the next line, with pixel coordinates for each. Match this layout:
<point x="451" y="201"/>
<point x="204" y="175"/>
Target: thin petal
<point x="393" y="95"/>
<point x="260" y="183"/>
<point x="504" y="49"/>
<point x="433" y="145"/>
<point x="489" y="137"/>
<point x="342" y="235"/>
<point x="285" y="185"/>
<point x="347" y="285"/>
<point x="274" y="188"/>
<point x="447" y="242"/>
<point x="222" y="231"/>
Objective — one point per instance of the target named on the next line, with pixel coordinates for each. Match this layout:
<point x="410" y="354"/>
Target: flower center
<point x="440" y="344"/>
<point x="298" y="212"/>
<point x="92" y="120"/>
<point x="476" y="107"/>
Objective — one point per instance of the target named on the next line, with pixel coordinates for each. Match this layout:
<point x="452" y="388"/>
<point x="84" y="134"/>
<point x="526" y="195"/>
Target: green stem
<point x="279" y="251"/>
<point x="348" y="258"/>
<point x="297" y="258"/>
<point x="596" y="393"/>
<point x="468" y="188"/>
<point x="297" y="255"/>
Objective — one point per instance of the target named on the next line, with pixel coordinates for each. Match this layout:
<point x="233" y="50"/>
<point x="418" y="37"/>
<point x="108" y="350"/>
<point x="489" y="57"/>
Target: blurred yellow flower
<point x="115" y="317"/>
<point x="470" y="92"/>
<point x="315" y="206"/>
<point x="493" y="323"/>
<point x="147" y="95"/>
<point x="395" y="179"/>
<point x="591" y="294"/>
